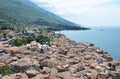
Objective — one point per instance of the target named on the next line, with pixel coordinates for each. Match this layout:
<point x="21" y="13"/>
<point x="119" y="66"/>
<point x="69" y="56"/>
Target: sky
<point x="85" y="12"/>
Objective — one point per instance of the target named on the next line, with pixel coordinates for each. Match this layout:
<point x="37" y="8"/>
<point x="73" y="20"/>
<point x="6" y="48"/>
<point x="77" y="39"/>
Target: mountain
<point x="8" y="22"/>
<point x="27" y="11"/>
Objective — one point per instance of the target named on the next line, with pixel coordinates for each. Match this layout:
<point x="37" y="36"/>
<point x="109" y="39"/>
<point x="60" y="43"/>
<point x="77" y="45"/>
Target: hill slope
<point x="27" y="11"/>
<point x="8" y="22"/>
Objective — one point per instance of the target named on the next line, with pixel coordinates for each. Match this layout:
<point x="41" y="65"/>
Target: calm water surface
<point x="105" y="38"/>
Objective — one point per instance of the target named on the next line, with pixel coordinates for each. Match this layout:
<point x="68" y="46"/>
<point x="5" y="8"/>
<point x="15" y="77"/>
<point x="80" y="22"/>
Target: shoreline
<point x="85" y="43"/>
<point x="98" y="50"/>
<point x="106" y="40"/>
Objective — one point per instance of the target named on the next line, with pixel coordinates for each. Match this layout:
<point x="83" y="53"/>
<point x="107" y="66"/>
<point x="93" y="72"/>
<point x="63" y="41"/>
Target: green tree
<point x="109" y="64"/>
<point x="4" y="35"/>
<point x="18" y="42"/>
<point x="113" y="66"/>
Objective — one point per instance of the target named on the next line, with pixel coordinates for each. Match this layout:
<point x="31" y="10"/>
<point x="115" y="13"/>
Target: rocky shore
<point x="64" y="59"/>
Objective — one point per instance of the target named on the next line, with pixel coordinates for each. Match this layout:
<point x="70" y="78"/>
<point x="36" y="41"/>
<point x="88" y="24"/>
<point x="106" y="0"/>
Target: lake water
<point x="105" y="38"/>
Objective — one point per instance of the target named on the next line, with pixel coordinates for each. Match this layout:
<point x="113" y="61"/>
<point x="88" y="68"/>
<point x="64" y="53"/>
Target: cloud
<point x="82" y="11"/>
<point x="67" y="6"/>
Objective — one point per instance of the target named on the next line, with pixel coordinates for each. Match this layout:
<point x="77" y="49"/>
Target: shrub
<point x="109" y="64"/>
<point x="113" y="66"/>
<point x="41" y="39"/>
<point x="3" y="68"/>
<point x="7" y="72"/>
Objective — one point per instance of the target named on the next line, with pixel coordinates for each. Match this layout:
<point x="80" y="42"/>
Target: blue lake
<point x="105" y="38"/>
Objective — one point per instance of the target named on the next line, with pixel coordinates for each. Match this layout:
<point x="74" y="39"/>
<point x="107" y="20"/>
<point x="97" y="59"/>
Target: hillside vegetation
<point x="8" y="22"/>
<point x="26" y="11"/>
